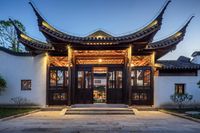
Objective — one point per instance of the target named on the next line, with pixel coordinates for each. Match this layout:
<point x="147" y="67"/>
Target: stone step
<point x="99" y="105"/>
<point x="99" y="111"/>
<point x="145" y="108"/>
<point x="53" y="108"/>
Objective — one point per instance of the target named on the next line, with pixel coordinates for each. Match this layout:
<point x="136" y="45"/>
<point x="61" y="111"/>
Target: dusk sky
<point x="117" y="17"/>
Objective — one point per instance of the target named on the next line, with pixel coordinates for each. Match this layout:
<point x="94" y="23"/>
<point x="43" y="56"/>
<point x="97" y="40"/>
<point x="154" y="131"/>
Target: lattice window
<point x="25" y="84"/>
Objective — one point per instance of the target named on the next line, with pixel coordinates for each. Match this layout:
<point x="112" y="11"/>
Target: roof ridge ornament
<point x="170" y="42"/>
<point x="183" y="29"/>
<point x="179" y="32"/>
<point x="40" y="18"/>
<point x="163" y="9"/>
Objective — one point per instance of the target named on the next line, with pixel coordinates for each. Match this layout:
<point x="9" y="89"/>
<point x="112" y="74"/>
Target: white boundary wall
<point x="164" y="87"/>
<point x="16" y="68"/>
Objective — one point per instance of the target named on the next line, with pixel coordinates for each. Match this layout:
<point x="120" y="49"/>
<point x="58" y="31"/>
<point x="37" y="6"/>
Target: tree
<point x="180" y="99"/>
<point x="8" y="35"/>
<point x="2" y="84"/>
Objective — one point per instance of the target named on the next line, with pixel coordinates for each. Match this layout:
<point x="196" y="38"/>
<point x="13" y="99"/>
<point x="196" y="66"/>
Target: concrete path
<point x="55" y="122"/>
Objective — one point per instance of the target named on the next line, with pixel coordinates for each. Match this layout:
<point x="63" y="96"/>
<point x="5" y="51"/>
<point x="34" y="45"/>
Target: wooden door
<point x="142" y="86"/>
<point x="57" y="92"/>
<point x="84" y="90"/>
<point x="114" y="85"/>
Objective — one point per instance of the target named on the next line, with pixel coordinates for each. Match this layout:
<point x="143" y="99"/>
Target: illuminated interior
<point x="99" y="83"/>
<point x="100" y="56"/>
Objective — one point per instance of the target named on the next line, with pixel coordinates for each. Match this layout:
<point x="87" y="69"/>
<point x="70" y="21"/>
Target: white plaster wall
<point x="16" y="68"/>
<point x="164" y="87"/>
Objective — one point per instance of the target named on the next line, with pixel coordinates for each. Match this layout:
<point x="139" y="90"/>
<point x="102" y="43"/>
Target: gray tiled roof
<point x="181" y="63"/>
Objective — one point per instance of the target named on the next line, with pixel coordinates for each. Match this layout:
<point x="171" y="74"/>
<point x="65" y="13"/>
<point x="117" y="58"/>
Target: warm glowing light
<point x="25" y="37"/>
<point x="132" y="65"/>
<point x="178" y="34"/>
<point x="99" y="37"/>
<point x="47" y="25"/>
<point x="100" y="60"/>
<point x="153" y="23"/>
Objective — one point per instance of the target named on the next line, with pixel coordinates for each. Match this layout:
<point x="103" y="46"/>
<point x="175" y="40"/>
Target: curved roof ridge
<point x="149" y="29"/>
<point x="40" y="18"/>
<point x="159" y="16"/>
<point x="29" y="41"/>
<point x="172" y="39"/>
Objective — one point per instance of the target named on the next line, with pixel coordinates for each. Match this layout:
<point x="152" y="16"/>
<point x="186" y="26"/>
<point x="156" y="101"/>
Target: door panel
<point x="84" y="91"/>
<point x="58" y="86"/>
<point x="115" y="86"/>
<point x="142" y="86"/>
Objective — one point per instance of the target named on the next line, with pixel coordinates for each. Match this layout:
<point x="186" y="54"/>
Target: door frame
<point x="141" y="89"/>
<point x="77" y="90"/>
<point x="114" y="99"/>
<point x="54" y="89"/>
<point x="90" y="67"/>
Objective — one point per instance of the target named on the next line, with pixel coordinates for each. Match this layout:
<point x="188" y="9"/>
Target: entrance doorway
<point x="99" y="84"/>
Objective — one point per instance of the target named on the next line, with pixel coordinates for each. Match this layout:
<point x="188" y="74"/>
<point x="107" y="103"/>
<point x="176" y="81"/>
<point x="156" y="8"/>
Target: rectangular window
<point x="147" y="77"/>
<point x="80" y="79"/>
<point x="53" y="78"/>
<point x="66" y="78"/>
<point x="119" y="79"/>
<point x="60" y="77"/>
<point x="179" y="88"/>
<point x="139" y="77"/>
<point x="133" y="78"/>
<point x="88" y="78"/>
<point x="111" y="79"/>
<point x="25" y="85"/>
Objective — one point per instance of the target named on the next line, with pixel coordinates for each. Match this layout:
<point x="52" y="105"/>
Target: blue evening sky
<point x="117" y="17"/>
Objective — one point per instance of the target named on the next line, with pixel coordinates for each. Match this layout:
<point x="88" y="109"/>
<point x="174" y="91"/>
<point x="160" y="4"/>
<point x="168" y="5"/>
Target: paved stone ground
<point x="143" y="121"/>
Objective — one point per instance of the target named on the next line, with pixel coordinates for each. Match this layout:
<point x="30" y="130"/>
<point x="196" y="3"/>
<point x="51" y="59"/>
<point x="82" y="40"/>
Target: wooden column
<point x="70" y="65"/>
<point x="152" y="76"/>
<point x="47" y="79"/>
<point x="153" y="59"/>
<point x="129" y="75"/>
<point x="73" y="77"/>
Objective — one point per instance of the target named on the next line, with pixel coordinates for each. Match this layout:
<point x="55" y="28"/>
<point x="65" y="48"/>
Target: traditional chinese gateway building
<point x="99" y="68"/>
